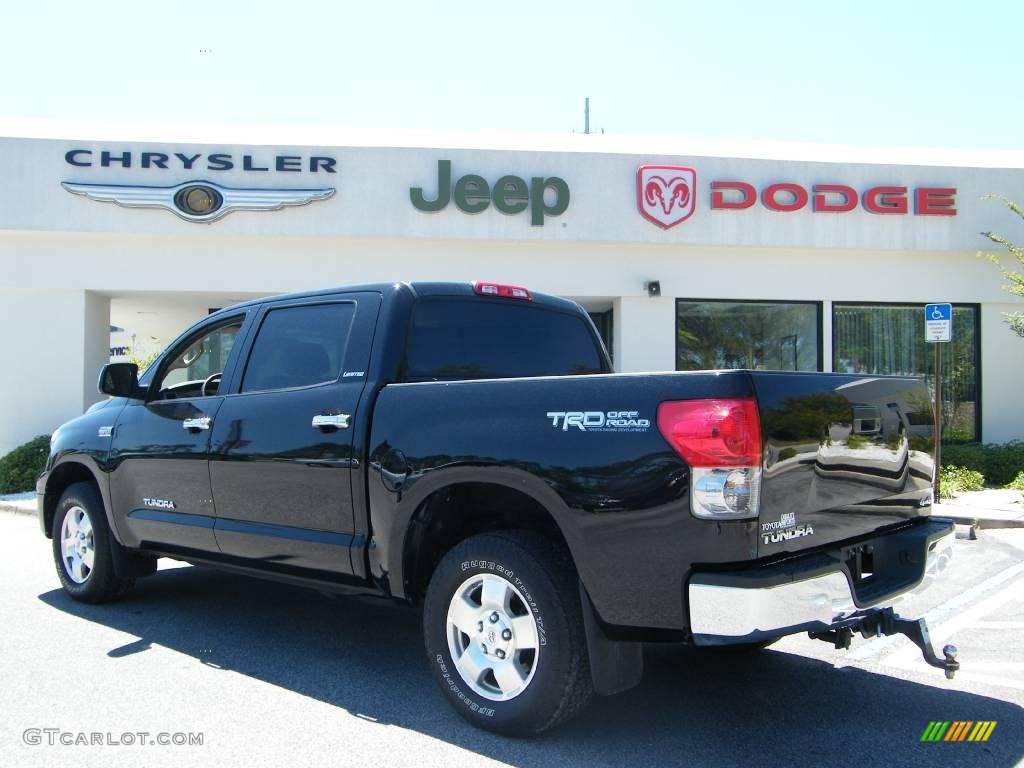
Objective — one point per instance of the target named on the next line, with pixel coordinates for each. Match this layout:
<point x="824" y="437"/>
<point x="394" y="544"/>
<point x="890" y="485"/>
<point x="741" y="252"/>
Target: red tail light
<point x="713" y="433"/>
<point x="503" y="291"/>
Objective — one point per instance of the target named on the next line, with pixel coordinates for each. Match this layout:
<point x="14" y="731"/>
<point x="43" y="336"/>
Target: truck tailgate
<point x="844" y="456"/>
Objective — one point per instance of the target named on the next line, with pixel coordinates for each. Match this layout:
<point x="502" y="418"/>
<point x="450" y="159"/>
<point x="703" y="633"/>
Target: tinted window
<point x="482" y="340"/>
<point x="298" y="347"/>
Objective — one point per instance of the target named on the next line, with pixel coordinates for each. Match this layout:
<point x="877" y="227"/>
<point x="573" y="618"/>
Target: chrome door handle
<point x="336" y="420"/>
<point x="200" y="422"/>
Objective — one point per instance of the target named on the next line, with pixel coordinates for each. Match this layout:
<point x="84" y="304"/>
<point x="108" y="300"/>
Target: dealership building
<point x="687" y="254"/>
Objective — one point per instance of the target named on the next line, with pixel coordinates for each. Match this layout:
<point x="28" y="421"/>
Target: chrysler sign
<point x="216" y="161"/>
<point x="200" y="200"/>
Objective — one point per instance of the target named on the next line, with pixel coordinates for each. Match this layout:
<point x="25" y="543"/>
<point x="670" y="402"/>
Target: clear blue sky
<point x="893" y="72"/>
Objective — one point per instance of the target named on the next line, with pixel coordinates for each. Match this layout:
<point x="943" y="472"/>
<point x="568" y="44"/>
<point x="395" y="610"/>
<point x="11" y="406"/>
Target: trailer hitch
<point x="884" y="621"/>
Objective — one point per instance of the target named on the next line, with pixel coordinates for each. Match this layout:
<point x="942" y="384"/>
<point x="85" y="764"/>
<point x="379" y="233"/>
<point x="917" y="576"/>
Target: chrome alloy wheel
<point x="492" y="637"/>
<point x="77" y="544"/>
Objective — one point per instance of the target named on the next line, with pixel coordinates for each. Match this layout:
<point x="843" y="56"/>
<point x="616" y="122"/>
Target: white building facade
<point x="809" y="263"/>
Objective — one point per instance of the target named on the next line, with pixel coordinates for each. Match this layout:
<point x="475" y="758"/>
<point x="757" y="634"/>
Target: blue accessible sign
<point x="938" y="322"/>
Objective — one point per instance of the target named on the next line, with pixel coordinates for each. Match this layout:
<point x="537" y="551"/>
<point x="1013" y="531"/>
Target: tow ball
<point x="884" y="621"/>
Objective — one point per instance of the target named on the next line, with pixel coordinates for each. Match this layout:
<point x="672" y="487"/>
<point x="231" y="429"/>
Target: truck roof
<point x="416" y="289"/>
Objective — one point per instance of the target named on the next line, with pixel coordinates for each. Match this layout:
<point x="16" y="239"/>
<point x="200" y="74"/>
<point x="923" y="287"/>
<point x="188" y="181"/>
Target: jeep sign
<point x="544" y="196"/>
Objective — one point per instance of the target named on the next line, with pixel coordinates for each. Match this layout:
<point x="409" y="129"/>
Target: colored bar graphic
<point x="985" y="732"/>
<point x="935" y="730"/>
<point x="958" y="730"/>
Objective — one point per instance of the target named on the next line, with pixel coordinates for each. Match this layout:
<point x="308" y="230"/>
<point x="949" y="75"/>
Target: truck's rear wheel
<point x="82" y="547"/>
<point x="504" y="633"/>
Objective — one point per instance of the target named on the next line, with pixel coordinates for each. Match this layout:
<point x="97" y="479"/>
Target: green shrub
<point x="20" y="468"/>
<point x="967" y="455"/>
<point x="955" y="436"/>
<point x="1000" y="464"/>
<point x="922" y="444"/>
<point x="856" y="442"/>
<point x="144" y="361"/>
<point x="1018" y="482"/>
<point x="787" y="453"/>
<point x="954" y="479"/>
<point x="1003" y="462"/>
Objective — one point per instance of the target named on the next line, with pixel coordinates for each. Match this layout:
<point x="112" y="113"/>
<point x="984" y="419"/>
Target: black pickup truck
<point x="466" y="448"/>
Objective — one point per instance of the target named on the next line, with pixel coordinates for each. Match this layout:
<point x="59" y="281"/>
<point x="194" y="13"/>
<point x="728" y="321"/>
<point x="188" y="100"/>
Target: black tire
<point x="100" y="583"/>
<point x="544" y="575"/>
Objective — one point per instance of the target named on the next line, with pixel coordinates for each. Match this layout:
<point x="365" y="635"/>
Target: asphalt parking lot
<point x="276" y="675"/>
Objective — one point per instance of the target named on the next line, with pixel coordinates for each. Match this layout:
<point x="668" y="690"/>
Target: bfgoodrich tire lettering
<point x="82" y="547"/>
<point x="555" y="675"/>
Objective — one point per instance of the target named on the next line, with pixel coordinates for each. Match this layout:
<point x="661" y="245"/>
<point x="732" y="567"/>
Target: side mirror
<point x="120" y="380"/>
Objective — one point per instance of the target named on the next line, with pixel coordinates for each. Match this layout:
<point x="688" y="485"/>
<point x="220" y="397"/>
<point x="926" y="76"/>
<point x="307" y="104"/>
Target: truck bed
<point x="842" y="459"/>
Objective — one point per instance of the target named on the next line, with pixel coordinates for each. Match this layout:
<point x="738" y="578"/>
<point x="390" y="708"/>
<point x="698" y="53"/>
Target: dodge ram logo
<point x="665" y="193"/>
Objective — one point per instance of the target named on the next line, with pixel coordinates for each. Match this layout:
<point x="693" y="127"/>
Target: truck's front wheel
<point x="504" y="633"/>
<point x="82" y="547"/>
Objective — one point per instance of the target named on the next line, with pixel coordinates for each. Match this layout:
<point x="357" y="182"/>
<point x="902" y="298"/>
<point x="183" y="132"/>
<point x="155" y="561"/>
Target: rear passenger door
<point x="282" y="457"/>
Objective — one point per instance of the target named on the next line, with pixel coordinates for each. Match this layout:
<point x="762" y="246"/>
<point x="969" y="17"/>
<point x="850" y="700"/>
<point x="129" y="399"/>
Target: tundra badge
<point x="159" y="503"/>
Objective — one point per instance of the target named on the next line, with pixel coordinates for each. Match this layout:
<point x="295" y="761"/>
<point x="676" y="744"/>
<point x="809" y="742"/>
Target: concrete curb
<point x="19" y="507"/>
<point x="984" y="523"/>
<point x="992" y="508"/>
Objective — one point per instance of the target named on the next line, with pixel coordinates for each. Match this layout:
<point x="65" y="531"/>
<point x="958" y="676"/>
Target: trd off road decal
<point x="599" y="421"/>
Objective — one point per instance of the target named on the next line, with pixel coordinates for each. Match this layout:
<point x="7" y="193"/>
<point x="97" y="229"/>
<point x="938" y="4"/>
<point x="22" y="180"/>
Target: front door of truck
<point x="160" y="484"/>
<point x="283" y="458"/>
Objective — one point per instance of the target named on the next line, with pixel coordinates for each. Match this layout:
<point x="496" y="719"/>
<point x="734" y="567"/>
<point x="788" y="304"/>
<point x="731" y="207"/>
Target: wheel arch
<point x="460" y="502"/>
<point x="67" y="472"/>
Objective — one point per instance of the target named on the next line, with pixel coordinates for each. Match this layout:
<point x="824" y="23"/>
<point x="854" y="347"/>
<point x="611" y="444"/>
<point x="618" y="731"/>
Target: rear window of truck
<point x="454" y="339"/>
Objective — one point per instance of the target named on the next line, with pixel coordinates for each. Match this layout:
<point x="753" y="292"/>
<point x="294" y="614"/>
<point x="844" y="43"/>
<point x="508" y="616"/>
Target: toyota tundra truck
<point x="466" y="448"/>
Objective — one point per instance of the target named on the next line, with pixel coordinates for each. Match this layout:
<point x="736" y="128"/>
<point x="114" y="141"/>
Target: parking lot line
<point x="935" y="615"/>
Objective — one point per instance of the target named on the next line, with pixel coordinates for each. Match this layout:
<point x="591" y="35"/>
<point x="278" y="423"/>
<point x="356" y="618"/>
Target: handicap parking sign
<point x="938" y="322"/>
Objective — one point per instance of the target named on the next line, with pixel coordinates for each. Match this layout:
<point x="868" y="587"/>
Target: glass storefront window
<point x="889" y="339"/>
<point x="604" y="322"/>
<point x="762" y="335"/>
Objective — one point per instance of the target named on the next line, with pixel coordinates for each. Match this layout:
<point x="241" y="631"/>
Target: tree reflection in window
<point x="757" y="335"/>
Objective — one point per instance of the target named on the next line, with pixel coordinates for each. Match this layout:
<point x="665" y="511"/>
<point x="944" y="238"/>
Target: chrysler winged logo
<point x="665" y="193"/>
<point x="198" y="201"/>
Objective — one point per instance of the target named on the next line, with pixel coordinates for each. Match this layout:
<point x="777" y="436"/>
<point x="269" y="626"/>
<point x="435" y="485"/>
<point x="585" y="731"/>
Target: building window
<point x="888" y="339"/>
<point x="603" y="321"/>
<point x="761" y="335"/>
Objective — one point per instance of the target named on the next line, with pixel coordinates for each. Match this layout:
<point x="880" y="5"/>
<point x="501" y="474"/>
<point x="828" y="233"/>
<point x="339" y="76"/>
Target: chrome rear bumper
<point x="808" y="594"/>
